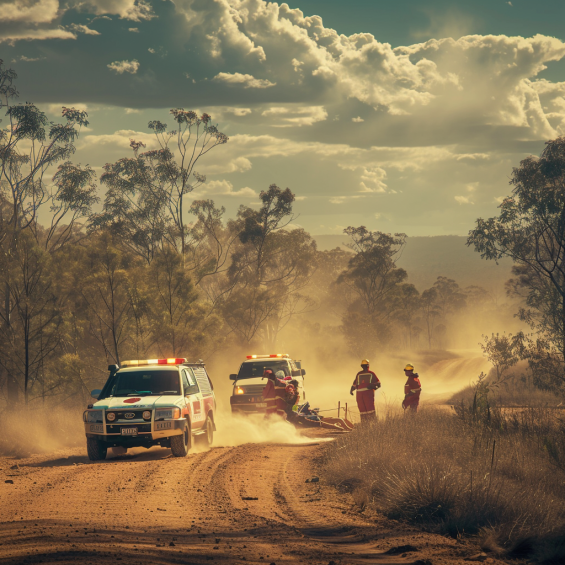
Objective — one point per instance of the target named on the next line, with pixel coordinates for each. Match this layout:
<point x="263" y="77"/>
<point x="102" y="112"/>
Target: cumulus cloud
<point x="223" y="188"/>
<point x="14" y="35"/>
<point x="372" y="180"/>
<point x="121" y="67"/>
<point x="246" y="81"/>
<point x="133" y="10"/>
<point x="79" y="28"/>
<point x="42" y="11"/>
<point x="285" y="116"/>
<point x="463" y="200"/>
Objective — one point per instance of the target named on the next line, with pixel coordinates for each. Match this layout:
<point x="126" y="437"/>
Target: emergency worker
<point x="365" y="383"/>
<point x="412" y="389"/>
<point x="280" y="394"/>
<point x="269" y="393"/>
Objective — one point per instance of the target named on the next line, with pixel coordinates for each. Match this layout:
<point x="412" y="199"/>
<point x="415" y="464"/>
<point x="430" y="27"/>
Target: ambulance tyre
<point x="180" y="445"/>
<point x="207" y="438"/>
<point x="96" y="449"/>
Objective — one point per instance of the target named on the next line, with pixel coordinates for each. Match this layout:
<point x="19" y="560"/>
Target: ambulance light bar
<point x="276" y="355"/>
<point x="142" y="362"/>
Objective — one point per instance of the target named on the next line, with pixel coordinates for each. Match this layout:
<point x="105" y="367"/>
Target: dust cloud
<point x="233" y="430"/>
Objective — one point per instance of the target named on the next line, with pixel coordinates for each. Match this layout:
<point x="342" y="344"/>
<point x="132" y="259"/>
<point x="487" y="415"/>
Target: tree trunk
<point x="12" y="389"/>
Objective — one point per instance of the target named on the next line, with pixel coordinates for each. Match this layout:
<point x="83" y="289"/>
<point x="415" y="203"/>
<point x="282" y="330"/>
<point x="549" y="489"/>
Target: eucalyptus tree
<point x="270" y="270"/>
<point x="30" y="146"/>
<point x="146" y="201"/>
<point x="530" y="230"/>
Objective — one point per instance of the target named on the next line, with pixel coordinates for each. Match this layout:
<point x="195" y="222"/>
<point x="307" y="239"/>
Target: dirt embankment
<point x="245" y="504"/>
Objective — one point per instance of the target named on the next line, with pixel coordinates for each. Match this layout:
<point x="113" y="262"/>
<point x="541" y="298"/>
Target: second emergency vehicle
<point x="162" y="402"/>
<point x="249" y="382"/>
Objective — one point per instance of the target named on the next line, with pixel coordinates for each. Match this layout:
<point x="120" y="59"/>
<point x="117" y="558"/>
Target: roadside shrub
<point x="500" y="477"/>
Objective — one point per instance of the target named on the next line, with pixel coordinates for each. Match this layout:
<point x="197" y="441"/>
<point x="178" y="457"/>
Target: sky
<point x="404" y="116"/>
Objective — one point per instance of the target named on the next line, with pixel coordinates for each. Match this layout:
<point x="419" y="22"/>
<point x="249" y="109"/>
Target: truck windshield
<point x="255" y="369"/>
<point x="144" y="383"/>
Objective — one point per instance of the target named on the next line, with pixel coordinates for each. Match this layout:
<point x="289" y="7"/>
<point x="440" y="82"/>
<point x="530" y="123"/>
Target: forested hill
<point x="427" y="257"/>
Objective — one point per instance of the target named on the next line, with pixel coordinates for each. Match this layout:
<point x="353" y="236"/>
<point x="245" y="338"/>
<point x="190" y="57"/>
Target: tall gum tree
<point x="30" y="146"/>
<point x="530" y="230"/>
<point x="145" y="202"/>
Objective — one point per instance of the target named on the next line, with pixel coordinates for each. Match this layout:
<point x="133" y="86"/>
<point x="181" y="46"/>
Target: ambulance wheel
<point x="180" y="445"/>
<point x="96" y="449"/>
<point x="207" y="438"/>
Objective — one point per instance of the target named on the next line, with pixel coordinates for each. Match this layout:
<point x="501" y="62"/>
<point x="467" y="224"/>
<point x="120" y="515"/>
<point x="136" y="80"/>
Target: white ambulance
<point x="162" y="402"/>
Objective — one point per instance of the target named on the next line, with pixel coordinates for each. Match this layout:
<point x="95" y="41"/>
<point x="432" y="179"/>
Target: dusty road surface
<point x="247" y="504"/>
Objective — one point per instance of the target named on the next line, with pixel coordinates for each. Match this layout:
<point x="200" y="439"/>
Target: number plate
<point x="129" y="431"/>
<point x="96" y="428"/>
<point x="261" y="405"/>
<point x="163" y="425"/>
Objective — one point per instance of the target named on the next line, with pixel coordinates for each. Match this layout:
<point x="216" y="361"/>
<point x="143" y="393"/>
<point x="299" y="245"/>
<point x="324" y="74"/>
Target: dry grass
<point x="500" y="478"/>
<point x="38" y="430"/>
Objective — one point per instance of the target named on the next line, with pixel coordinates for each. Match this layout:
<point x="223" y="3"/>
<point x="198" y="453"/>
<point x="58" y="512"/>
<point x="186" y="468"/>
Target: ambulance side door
<point x="194" y="398"/>
<point x="208" y="399"/>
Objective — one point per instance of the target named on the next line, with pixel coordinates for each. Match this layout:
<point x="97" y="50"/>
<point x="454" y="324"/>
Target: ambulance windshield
<point x="146" y="382"/>
<point x="256" y="368"/>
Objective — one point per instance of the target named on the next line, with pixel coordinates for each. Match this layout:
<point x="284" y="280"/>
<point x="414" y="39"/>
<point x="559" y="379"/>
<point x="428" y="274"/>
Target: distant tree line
<point x="148" y="271"/>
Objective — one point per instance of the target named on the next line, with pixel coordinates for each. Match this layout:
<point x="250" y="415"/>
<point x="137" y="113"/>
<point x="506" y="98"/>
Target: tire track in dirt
<point x="240" y="505"/>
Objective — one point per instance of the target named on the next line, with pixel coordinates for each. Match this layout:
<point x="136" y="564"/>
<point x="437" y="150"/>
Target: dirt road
<point x="245" y="504"/>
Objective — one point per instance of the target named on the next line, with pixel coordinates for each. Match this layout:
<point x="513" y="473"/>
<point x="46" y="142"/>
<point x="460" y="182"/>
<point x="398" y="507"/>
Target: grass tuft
<point x="499" y="476"/>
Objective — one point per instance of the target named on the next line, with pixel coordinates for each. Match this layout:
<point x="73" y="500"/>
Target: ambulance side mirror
<point x="303" y="372"/>
<point x="233" y="377"/>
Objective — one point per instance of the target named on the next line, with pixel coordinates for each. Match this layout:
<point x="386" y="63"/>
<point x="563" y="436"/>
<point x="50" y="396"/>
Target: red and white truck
<point x="162" y="402"/>
<point x="249" y="382"/>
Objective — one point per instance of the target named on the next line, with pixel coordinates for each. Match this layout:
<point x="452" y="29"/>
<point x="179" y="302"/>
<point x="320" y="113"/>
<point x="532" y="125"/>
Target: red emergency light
<point x="275" y="355"/>
<point x="141" y="362"/>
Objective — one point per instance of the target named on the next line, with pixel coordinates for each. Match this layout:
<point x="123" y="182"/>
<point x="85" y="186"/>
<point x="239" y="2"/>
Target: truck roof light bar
<point x="275" y="355"/>
<point x="143" y="362"/>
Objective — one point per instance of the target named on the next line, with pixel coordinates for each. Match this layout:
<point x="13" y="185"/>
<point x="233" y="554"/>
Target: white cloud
<point x="286" y="116"/>
<point x="357" y="120"/>
<point x="133" y="10"/>
<point x="463" y="200"/>
<point x="337" y="200"/>
<point x="43" y="11"/>
<point x="57" y="108"/>
<point x="35" y="34"/>
<point x="133" y="29"/>
<point x="79" y="28"/>
<point x="121" y="67"/>
<point x="247" y="81"/>
<point x="223" y="188"/>
<point x="372" y="180"/>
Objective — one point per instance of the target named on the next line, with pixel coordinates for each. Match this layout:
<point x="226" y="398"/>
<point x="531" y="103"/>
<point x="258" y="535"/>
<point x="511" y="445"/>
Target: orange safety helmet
<point x="409" y="367"/>
<point x="365" y="362"/>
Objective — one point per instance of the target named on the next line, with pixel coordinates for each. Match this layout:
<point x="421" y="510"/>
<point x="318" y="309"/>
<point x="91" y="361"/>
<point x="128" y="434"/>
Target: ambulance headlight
<point x="167" y="413"/>
<point x="110" y="416"/>
<point x="147" y="415"/>
<point x="93" y="416"/>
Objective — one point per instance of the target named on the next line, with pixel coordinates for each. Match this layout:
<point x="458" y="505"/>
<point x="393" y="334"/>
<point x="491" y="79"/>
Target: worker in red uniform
<point x="269" y="393"/>
<point x="412" y="389"/>
<point x="281" y="383"/>
<point x="274" y="394"/>
<point x="366" y="383"/>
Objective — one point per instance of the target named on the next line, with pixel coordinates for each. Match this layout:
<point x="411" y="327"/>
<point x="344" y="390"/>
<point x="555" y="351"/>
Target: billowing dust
<point x="442" y="374"/>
